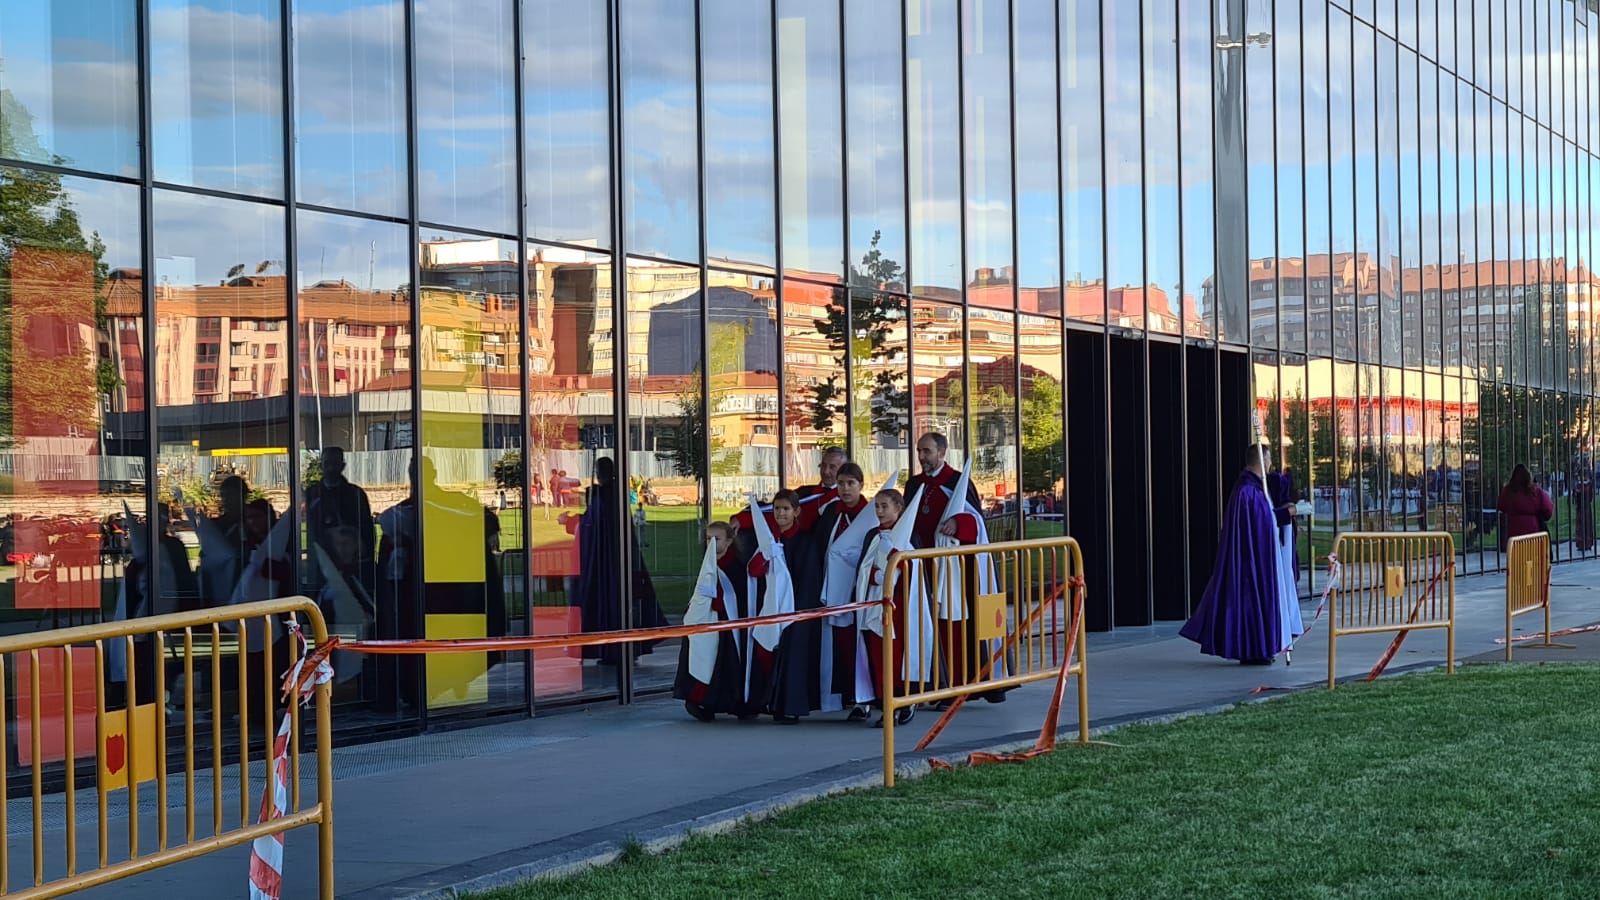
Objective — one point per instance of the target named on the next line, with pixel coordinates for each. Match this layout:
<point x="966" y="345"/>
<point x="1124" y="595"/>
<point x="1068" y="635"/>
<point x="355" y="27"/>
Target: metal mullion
<point x="147" y="291"/>
<point x="414" y="263"/>
<point x="1016" y="273"/>
<point x="1144" y="340"/>
<point x="70" y="172"/>
<point x="1183" y="324"/>
<point x="180" y="188"/>
<point x="525" y="301"/>
<point x="777" y="251"/>
<point x="628" y="662"/>
<point x="349" y="213"/>
<point x="1061" y="278"/>
<point x="905" y="195"/>
<point x="620" y="365"/>
<point x="291" y="255"/>
<point x="847" y="296"/>
<point x="968" y="432"/>
<point x="1108" y="570"/>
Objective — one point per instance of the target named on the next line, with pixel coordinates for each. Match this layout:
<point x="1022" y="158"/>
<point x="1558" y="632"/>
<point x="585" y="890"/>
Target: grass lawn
<point x="1477" y="785"/>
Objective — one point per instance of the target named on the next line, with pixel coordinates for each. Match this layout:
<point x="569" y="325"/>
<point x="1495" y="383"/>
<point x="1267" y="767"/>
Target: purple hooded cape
<point x="1238" y="613"/>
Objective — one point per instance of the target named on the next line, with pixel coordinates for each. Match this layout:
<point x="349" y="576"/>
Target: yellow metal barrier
<point x="1528" y="583"/>
<point x="1001" y="615"/>
<point x="1393" y="582"/>
<point x="131" y="744"/>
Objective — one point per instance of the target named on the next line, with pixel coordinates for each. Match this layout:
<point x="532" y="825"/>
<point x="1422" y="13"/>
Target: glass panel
<point x="1450" y="215"/>
<point x="1082" y="201"/>
<point x="739" y="154"/>
<point x="1231" y="286"/>
<point x="1342" y="156"/>
<point x="216" y="95"/>
<point x="938" y="393"/>
<point x="1482" y="30"/>
<point x="1261" y="214"/>
<point x="1463" y="41"/>
<point x="1497" y="48"/>
<point x="986" y="120"/>
<point x="1447" y="33"/>
<point x="1161" y="224"/>
<point x="72" y="404"/>
<point x="222" y="382"/>
<point x="354" y="340"/>
<point x="992" y="387"/>
<point x="1291" y="180"/>
<point x="1043" y="433"/>
<point x="1429" y="219"/>
<point x="571" y="402"/>
<point x="1368" y="243"/>
<point x="666" y="420"/>
<point x="1124" y="213"/>
<point x="1467" y="193"/>
<point x="466" y="109"/>
<point x="1387" y="328"/>
<point x="471" y="426"/>
<point x="809" y="140"/>
<point x="1195" y="52"/>
<point x="816" y="351"/>
<point x="1427" y="19"/>
<point x="742" y="356"/>
<point x="875" y="122"/>
<point x="1318" y="214"/>
<point x="350" y="105"/>
<point x="567" y="121"/>
<point x="660" y="178"/>
<point x="1486" y="280"/>
<point x="934" y="146"/>
<point x="71" y="83"/>
<point x="1322" y="473"/>
<point x="880" y="427"/>
<point x="1038" y="160"/>
<point x="1409" y="222"/>
<point x="1529" y="65"/>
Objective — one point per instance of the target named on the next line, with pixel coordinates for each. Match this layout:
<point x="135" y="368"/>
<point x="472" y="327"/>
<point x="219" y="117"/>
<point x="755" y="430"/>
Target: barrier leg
<point x="1083" y="685"/>
<point x="1333" y="655"/>
<point x="886" y="698"/>
<point x="1510" y="633"/>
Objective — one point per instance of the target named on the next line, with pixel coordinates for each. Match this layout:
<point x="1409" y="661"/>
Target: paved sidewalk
<point x="419" y="816"/>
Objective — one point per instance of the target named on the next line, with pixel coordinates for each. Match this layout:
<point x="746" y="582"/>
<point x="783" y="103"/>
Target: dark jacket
<point x="1524" y="513"/>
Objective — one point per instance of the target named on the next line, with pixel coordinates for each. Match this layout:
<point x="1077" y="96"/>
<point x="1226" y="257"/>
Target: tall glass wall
<point x="465" y="318"/>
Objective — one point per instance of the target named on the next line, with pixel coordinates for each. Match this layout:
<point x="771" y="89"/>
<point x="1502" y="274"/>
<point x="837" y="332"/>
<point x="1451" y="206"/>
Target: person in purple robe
<point x="1238" y="615"/>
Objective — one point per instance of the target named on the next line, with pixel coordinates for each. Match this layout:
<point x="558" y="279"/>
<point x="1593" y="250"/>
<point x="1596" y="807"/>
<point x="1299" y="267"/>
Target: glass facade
<point x="465" y="316"/>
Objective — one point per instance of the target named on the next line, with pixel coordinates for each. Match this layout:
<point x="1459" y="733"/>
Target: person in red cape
<point x="840" y="548"/>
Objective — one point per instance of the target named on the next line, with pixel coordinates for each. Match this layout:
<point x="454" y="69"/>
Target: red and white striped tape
<point x="266" y="852"/>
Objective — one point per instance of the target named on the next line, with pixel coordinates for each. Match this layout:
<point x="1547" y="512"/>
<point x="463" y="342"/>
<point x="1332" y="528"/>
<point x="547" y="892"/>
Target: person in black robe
<point x="726" y="691"/>
<point x="599" y="586"/>
<point x="792" y="684"/>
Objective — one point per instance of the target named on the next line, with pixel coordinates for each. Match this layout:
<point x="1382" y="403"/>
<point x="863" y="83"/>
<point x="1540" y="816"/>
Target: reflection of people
<point x="224" y="545"/>
<point x="339" y="519"/>
<point x="1524" y="507"/>
<point x="1238" y="616"/>
<point x="399" y="612"/>
<point x="178" y="586"/>
<point x="1583" y="503"/>
<point x="711" y="668"/>
<point x="599" y="586"/>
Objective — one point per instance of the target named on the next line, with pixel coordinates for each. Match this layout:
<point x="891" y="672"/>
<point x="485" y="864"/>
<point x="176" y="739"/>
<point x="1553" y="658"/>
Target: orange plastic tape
<point x="592" y="639"/>
<point x="1563" y="632"/>
<point x="1047" y="734"/>
<point x="1394" y="646"/>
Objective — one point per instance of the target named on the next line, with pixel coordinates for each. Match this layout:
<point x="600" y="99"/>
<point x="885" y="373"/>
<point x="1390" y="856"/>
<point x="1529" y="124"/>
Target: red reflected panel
<point x="52" y="705"/>
<point x="55" y="416"/>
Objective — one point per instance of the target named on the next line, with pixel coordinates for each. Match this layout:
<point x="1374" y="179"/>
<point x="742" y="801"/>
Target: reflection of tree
<point x="1042" y="433"/>
<point x="1287" y="421"/>
<point x="508" y="471"/>
<point x="687" y="453"/>
<point x="864" y="332"/>
<point x="36" y="213"/>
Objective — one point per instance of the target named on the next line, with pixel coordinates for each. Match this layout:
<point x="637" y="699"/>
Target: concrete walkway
<point x="476" y="807"/>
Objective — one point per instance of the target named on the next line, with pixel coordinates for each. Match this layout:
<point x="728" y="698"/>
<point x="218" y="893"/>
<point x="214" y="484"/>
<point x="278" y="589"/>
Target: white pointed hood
<point x="706" y="584"/>
<point x="138" y="538"/>
<point x="779" y="597"/>
<point x="958" y="498"/>
<point x="766" y="542"/>
<point x="900" y="535"/>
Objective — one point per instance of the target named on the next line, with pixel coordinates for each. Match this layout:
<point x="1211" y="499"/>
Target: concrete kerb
<point x="667" y="837"/>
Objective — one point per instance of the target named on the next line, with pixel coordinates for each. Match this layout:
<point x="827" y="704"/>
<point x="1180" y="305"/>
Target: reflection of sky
<point x="71" y="65"/>
<point x="217" y="94"/>
<point x="737" y="70"/>
<point x="466" y="145"/>
<point x="350" y="104"/>
<point x="565" y="108"/>
<point x="875" y="119"/>
<point x="661" y="200"/>
<point x="198" y="239"/>
<point x="369" y="255"/>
